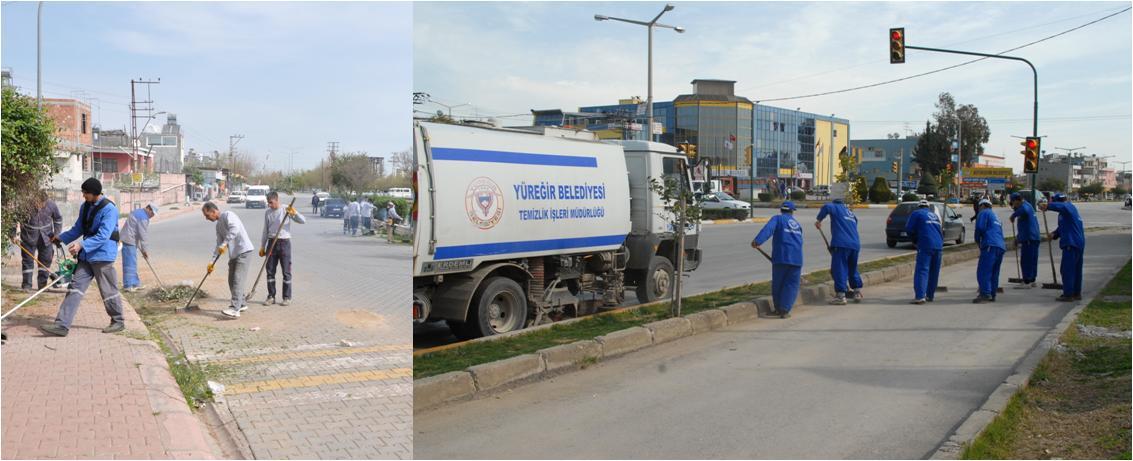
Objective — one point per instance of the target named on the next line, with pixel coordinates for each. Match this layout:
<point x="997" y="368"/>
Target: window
<point x="84" y="124"/>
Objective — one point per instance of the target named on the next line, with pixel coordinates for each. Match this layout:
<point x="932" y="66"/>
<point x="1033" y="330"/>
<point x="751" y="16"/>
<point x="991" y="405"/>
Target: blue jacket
<point x="788" y="234"/>
<point x="97" y="246"/>
<point x="843" y="225"/>
<point x="925" y="230"/>
<point x="989" y="231"/>
<point x="1070" y="232"/>
<point x="1024" y="218"/>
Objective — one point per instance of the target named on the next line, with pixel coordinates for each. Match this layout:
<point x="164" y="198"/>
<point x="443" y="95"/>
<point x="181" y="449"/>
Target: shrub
<point x="910" y="197"/>
<point x="402" y="205"/>
<point x="798" y="195"/>
<point x="764" y="197"/>
<point x="879" y="193"/>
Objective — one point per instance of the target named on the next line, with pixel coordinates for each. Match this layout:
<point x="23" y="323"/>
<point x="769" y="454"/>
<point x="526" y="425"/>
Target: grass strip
<point x="1076" y="405"/>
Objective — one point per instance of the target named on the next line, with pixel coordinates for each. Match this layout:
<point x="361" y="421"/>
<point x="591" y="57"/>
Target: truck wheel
<point x="655" y="284"/>
<point x="500" y="307"/>
<point x="891" y="243"/>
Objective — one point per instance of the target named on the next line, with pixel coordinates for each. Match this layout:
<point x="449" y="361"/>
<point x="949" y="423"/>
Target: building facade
<point x="167" y="147"/>
<point x="73" y="135"/>
<point x="876" y="157"/>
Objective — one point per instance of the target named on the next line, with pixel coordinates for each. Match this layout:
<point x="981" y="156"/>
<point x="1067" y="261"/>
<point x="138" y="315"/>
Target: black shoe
<point x="53" y="329"/>
<point x="1064" y="298"/>
<point x="929" y="299"/>
<point x="1078" y="297"/>
<point x="981" y="299"/>
<point x="917" y="301"/>
<point x="114" y="327"/>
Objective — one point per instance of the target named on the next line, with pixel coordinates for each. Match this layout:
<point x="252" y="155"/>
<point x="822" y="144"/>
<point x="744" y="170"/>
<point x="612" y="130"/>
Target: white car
<point x="256" y="197"/>
<point x="720" y="200"/>
<point x="400" y="192"/>
<point x="236" y="197"/>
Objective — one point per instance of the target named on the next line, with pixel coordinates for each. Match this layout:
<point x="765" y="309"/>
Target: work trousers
<point x="367" y="223"/>
<point x="1029" y="260"/>
<point x="785" y="285"/>
<point x="353" y="225"/>
<point x="238" y="276"/>
<point x="927" y="273"/>
<point x="987" y="270"/>
<point x="103" y="272"/>
<point x="130" y="266"/>
<point x="42" y="251"/>
<point x="1071" y="269"/>
<point x="281" y="256"/>
<point x="844" y="269"/>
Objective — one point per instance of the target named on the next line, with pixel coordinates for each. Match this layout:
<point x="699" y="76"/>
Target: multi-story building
<point x="750" y="143"/>
<point x="167" y="147"/>
<point x="378" y="165"/>
<point x="990" y="160"/>
<point x="876" y="157"/>
<point x="1062" y="168"/>
<point x="73" y="135"/>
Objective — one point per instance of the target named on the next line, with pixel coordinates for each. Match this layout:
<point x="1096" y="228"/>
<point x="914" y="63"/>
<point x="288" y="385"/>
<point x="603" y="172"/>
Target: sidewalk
<point x="880" y="379"/>
<point x="89" y="394"/>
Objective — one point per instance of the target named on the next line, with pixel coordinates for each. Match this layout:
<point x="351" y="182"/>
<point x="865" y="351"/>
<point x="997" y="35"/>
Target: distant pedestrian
<point x="786" y="257"/>
<point x="97" y="224"/>
<point x="135" y="238"/>
<point x="366" y="210"/>
<point x="989" y="237"/>
<point x="392" y="220"/>
<point x="1027" y="239"/>
<point x="44" y="223"/>
<point x="314" y="203"/>
<point x="355" y="211"/>
<point x="281" y="251"/>
<point x="844" y="248"/>
<point x="1071" y="236"/>
<point x="231" y="237"/>
<point x="924" y="229"/>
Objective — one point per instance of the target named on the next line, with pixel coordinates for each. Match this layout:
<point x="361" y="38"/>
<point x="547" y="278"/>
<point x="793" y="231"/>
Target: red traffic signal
<point x="1031" y="151"/>
<point x="897" y="45"/>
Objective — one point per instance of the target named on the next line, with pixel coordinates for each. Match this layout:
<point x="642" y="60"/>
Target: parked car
<point x="720" y="203"/>
<point x="236" y="197"/>
<point x="400" y="192"/>
<point x="332" y="207"/>
<point x="953" y="226"/>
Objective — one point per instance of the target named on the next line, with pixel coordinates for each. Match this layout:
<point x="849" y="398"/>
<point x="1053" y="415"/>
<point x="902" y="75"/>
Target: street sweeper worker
<point x="1071" y="238"/>
<point x="135" y="237"/>
<point x="923" y="228"/>
<point x="1027" y="239"/>
<point x="231" y="238"/>
<point x="786" y="257"/>
<point x="35" y="236"/>
<point x="844" y="247"/>
<point x="989" y="237"/>
<point x="97" y="224"/>
<point x="366" y="210"/>
<point x="281" y="252"/>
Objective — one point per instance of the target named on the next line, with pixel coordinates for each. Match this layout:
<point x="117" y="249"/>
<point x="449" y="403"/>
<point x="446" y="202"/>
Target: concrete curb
<point x="978" y="420"/>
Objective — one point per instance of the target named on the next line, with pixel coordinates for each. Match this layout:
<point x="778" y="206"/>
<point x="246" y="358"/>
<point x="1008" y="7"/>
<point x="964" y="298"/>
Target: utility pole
<point x="332" y="151"/>
<point x="136" y="107"/>
<point x="232" y="141"/>
<point x="39" y="56"/>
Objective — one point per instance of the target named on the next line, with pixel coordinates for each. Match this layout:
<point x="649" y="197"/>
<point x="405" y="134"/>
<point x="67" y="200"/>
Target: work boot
<point x="1064" y="298"/>
<point x="917" y="301"/>
<point x="114" y="327"/>
<point x="981" y="299"/>
<point x="838" y="300"/>
<point x="285" y="302"/>
<point x="785" y="315"/>
<point x="858" y="297"/>
<point x="269" y="301"/>
<point x="53" y="329"/>
<point x="231" y="311"/>
<point x="1078" y="297"/>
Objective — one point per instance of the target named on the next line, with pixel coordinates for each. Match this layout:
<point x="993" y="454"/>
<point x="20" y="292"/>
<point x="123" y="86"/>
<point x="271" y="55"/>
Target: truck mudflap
<point x="452" y="299"/>
<point x="692" y="259"/>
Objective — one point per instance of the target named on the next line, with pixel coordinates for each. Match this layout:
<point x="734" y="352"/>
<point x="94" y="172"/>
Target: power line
<point x="942" y="69"/>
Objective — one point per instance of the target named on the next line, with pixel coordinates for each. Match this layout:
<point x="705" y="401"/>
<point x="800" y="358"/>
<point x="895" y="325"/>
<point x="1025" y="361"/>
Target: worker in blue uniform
<point x="924" y="229"/>
<point x="844" y="249"/>
<point x="1027" y="239"/>
<point x="1071" y="236"/>
<point x="786" y="257"/>
<point x="989" y="237"/>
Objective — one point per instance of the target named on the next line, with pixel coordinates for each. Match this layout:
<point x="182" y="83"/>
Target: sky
<point x="508" y="58"/>
<point x="290" y="77"/>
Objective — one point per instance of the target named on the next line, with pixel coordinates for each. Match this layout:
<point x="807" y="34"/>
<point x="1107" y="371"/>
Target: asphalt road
<point x="880" y="379"/>
<point x="729" y="260"/>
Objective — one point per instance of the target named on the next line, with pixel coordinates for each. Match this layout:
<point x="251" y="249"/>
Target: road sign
<point x="996" y="180"/>
<point x="909" y="184"/>
<point x="987" y="172"/>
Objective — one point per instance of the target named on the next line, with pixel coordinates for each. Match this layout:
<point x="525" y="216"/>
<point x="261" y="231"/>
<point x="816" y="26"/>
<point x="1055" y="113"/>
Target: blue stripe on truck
<point x="520" y="158"/>
<point x="485" y="249"/>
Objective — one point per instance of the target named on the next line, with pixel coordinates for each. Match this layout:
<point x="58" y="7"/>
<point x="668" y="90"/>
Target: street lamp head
<point x="679" y="29"/>
<point x="599" y="17"/>
<point x="669" y="7"/>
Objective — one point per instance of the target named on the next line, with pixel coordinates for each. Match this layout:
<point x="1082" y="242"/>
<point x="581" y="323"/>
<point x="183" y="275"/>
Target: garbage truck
<point x="516" y="227"/>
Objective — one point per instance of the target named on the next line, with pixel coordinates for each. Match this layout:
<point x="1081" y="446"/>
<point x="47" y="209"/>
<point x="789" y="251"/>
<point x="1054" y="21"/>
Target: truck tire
<point x="655" y="284"/>
<point x="499" y="306"/>
<point x="891" y="243"/>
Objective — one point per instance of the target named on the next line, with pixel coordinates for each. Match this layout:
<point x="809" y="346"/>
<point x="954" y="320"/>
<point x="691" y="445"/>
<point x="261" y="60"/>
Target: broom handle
<point x="194" y="296"/>
<point x="1018" y="268"/>
<point x="1050" y="247"/>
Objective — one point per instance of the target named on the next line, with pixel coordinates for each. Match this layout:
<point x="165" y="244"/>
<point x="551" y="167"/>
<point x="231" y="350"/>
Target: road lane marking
<point x="283" y="356"/>
<point x="318" y="380"/>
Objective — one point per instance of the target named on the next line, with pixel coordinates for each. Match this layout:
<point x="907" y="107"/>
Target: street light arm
<point x="666" y="26"/>
<point x="631" y="21"/>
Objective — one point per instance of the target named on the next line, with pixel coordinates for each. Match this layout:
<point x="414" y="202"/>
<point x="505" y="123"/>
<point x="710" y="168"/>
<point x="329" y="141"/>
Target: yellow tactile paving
<point x="284" y="356"/>
<point x="319" y="380"/>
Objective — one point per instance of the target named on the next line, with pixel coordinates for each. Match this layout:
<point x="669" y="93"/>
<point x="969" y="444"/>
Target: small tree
<point x="927" y="185"/>
<point x="680" y="210"/>
<point x="1118" y="191"/>
<point x="849" y="166"/>
<point x="27" y="155"/>
<point x="1091" y="189"/>
<point x="860" y="190"/>
<point x="879" y="193"/>
<point x="1052" y="185"/>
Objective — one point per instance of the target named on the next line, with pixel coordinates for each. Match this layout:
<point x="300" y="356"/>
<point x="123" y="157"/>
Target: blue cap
<point x="1059" y="197"/>
<point x="1016" y="196"/>
<point x="787" y="206"/>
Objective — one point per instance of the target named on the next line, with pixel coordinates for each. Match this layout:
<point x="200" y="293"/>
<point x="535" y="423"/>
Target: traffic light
<point x="897" y="45"/>
<point x="893" y="167"/>
<point x="690" y="151"/>
<point x="1031" y="154"/>
<point x="747" y="154"/>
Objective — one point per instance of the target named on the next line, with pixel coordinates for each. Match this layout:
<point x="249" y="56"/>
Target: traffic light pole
<point x="1035" y="126"/>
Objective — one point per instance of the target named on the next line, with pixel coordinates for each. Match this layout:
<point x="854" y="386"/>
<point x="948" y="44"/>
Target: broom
<point x="1050" y="248"/>
<point x="1018" y="269"/>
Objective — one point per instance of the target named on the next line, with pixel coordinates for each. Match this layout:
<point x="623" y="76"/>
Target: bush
<point x="764" y="197"/>
<point x="910" y="197"/>
<point x="880" y="192"/>
<point x="861" y="189"/>
<point x="798" y="195"/>
<point x="402" y="205"/>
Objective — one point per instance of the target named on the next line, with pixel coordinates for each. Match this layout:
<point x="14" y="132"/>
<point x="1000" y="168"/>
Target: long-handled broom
<point x="271" y="248"/>
<point x="1015" y="245"/>
<point x="1050" y="248"/>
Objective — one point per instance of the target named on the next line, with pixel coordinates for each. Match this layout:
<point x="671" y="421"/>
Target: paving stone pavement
<point x="329" y="376"/>
<point x="89" y="395"/>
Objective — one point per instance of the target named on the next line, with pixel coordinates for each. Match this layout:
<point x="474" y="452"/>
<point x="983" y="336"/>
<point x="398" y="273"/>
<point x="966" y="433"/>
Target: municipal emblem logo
<point x="484" y="203"/>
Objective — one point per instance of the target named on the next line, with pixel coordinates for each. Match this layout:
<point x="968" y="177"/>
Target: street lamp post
<point x="649" y="81"/>
<point x="450" y="108"/>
